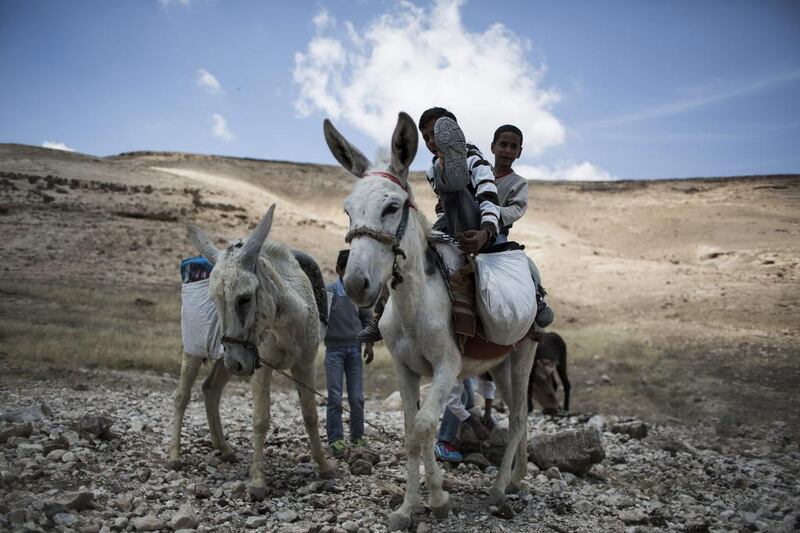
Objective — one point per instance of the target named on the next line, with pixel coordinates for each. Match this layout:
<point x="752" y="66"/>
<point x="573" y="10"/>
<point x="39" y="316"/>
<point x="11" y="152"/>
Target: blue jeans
<point x="341" y="362"/>
<point x="448" y="428"/>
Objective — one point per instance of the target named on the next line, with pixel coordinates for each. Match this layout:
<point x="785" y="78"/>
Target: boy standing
<point x="343" y="360"/>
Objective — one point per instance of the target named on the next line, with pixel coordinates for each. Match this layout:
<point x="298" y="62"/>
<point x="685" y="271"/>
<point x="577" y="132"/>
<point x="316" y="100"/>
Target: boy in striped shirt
<point x="463" y="182"/>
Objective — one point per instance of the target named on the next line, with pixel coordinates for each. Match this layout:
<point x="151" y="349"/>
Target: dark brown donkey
<point x="542" y="384"/>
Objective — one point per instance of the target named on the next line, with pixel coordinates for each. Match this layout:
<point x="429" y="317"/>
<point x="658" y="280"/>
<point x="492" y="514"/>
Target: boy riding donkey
<point x="478" y="212"/>
<point x="473" y="207"/>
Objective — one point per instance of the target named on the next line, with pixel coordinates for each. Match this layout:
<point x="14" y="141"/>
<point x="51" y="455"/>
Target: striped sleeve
<point x="482" y="179"/>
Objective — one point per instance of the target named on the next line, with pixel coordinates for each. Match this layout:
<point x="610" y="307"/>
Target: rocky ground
<point x="87" y="452"/>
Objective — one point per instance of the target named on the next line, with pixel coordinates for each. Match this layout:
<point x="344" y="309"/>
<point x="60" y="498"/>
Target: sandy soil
<point x="676" y="298"/>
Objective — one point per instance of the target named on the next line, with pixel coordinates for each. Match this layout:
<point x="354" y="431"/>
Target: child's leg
<point x="334" y="368"/>
<point x="448" y="428"/>
<point x="452" y="144"/>
<point x="353" y="369"/>
<point x="544" y="313"/>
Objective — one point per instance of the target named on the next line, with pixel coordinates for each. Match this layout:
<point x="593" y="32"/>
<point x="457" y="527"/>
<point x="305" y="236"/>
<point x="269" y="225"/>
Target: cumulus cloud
<point x="413" y="58"/>
<point x="57" y="146"/>
<point x="219" y="128"/>
<point x="564" y="172"/>
<point x="208" y="82"/>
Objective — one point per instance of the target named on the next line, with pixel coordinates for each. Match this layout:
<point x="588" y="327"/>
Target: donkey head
<point x="376" y="208"/>
<point x="243" y="309"/>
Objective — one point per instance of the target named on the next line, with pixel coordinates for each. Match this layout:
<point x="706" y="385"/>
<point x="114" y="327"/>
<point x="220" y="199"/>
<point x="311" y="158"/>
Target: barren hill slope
<point x="684" y="294"/>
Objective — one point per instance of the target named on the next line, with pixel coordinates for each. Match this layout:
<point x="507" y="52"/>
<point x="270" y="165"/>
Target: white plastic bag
<point x="200" y="328"/>
<point x="505" y="296"/>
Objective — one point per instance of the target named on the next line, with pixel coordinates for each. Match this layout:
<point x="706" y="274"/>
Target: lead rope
<point x="386" y="436"/>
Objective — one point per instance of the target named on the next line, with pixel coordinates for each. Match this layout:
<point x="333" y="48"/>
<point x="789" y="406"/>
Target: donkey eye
<point x="389" y="209"/>
<point x="243" y="302"/>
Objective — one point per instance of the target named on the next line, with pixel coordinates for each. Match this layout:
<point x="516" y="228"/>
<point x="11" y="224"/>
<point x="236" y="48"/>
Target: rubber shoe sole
<point x="452" y="144"/>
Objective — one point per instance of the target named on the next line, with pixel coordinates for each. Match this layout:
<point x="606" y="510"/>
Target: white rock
<point x="254" y="522"/>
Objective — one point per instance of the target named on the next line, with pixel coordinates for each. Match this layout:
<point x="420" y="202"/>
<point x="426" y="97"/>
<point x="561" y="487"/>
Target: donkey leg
<point x="519" y="366"/>
<point x="521" y="458"/>
<point x="307" y="374"/>
<point x="212" y="394"/>
<point x="425" y="430"/>
<point x="501" y="375"/>
<point x="189" y="368"/>
<point x="261" y="419"/>
<point x="400" y="519"/>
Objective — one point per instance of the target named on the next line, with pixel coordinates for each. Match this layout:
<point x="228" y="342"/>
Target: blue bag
<point x="195" y="269"/>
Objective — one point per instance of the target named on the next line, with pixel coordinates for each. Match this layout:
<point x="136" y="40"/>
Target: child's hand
<point x="473" y="240"/>
<point x="368" y="353"/>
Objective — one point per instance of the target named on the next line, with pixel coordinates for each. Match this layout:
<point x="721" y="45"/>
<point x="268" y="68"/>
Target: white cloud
<point x="208" y="82"/>
<point x="413" y="58"/>
<point x="57" y="146"/>
<point x="323" y="20"/>
<point x="165" y="3"/>
<point x="564" y="172"/>
<point x="219" y="127"/>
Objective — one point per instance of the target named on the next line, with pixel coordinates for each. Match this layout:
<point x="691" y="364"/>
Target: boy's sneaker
<point x="544" y="314"/>
<point x="451" y="143"/>
<point x="446" y="452"/>
<point x="338" y="448"/>
<point x="371" y="333"/>
<point x="360" y="442"/>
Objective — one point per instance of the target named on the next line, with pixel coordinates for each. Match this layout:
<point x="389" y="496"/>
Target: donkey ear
<point x="345" y="153"/>
<point x="252" y="247"/>
<point x="404" y="144"/>
<point x="203" y="244"/>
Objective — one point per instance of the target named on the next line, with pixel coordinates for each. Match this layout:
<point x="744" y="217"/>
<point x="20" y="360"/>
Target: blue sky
<point x="618" y="89"/>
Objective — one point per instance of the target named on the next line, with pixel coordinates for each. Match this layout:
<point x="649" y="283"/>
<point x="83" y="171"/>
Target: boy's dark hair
<point x="341" y="259"/>
<point x="507" y="128"/>
<point x="434" y="113"/>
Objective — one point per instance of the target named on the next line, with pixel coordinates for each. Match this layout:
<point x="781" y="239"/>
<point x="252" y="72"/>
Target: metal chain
<point x="387" y="436"/>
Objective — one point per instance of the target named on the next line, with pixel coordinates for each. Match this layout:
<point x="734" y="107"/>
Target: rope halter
<point x="384" y="237"/>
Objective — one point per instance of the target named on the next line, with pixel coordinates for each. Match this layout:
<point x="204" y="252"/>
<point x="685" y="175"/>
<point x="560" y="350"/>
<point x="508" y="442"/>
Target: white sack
<point x="505" y="296"/>
<point x="199" y="322"/>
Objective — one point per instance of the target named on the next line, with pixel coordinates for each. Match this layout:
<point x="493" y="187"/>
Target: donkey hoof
<point x="399" y="522"/>
<point x="329" y="473"/>
<point x="496" y="496"/>
<point x="175" y="464"/>
<point x="257" y="492"/>
<point x="512" y="488"/>
<point x="228" y="456"/>
<point x="443" y="509"/>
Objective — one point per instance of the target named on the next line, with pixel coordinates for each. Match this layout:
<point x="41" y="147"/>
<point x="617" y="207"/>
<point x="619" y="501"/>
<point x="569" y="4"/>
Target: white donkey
<point x="268" y="313"/>
<point x="389" y="240"/>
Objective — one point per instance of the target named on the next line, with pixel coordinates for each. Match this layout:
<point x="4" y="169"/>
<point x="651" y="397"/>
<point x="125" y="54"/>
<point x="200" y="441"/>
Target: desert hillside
<point x="677" y="298"/>
<point x="678" y="301"/>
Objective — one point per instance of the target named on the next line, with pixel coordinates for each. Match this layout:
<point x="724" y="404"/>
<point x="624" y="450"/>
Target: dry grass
<point x="55" y="326"/>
